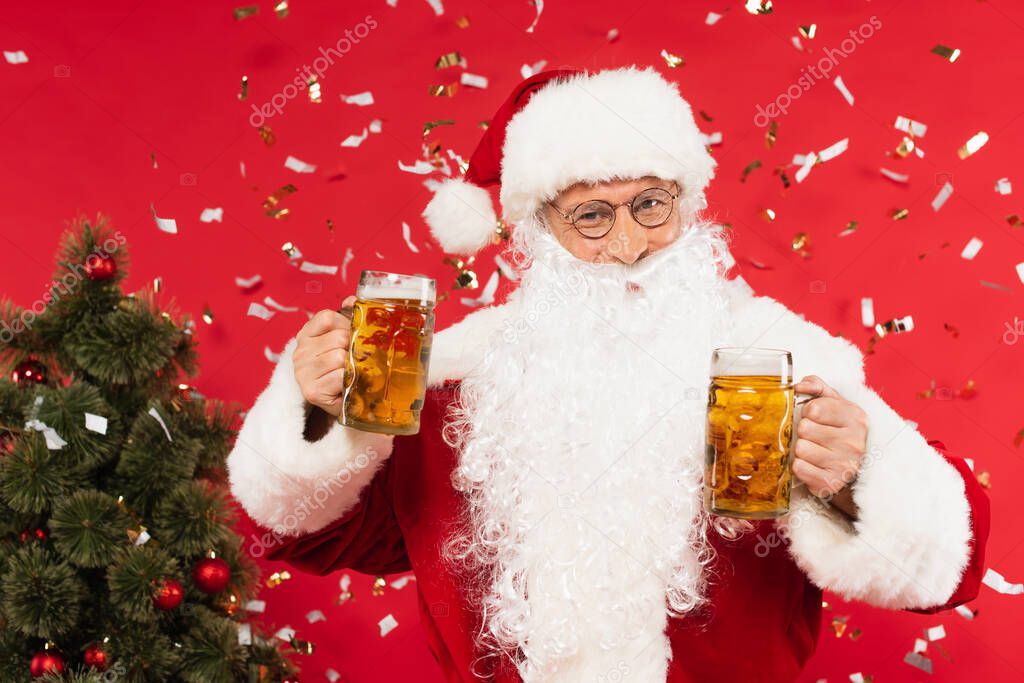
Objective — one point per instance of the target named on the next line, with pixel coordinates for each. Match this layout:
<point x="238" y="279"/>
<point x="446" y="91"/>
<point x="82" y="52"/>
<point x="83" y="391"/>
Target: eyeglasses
<point x="595" y="218"/>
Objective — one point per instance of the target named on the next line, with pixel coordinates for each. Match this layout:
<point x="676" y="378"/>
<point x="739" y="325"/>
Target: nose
<point x="627" y="241"/>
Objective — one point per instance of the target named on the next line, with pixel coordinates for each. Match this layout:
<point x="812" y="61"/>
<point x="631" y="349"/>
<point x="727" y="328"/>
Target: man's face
<point x="628" y="241"/>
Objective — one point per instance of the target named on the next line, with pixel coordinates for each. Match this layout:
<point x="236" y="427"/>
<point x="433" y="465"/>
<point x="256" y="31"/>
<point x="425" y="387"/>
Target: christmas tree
<point x="117" y="549"/>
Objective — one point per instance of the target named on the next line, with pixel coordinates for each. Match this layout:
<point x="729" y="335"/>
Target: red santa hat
<point x="565" y="126"/>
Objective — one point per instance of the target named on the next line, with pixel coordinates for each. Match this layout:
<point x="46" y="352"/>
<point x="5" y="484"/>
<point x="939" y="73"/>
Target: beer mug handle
<point x="346" y="311"/>
<point x="810" y="397"/>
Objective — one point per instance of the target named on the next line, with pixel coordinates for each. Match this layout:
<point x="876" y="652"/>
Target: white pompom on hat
<point x="566" y="126"/>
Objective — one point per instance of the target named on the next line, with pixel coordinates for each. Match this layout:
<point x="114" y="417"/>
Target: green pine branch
<point x="42" y="595"/>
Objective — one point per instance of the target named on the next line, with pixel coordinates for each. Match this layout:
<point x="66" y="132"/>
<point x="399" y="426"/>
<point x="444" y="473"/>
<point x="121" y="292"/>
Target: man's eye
<point x="650" y="203"/>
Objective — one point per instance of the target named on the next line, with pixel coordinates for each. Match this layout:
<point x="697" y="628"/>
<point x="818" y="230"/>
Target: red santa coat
<point x="378" y="505"/>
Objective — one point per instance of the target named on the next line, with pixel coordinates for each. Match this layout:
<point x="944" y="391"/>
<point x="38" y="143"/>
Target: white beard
<point x="582" y="450"/>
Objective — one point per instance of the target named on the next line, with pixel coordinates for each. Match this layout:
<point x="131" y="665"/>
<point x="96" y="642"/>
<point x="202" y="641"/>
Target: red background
<point x="108" y="84"/>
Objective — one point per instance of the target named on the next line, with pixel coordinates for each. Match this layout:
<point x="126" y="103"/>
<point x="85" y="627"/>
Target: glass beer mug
<point x="388" y="357"/>
<point x="749" y="432"/>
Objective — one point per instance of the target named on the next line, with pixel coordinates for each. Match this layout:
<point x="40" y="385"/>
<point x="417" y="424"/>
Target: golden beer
<point x="749" y="432"/>
<point x="386" y="372"/>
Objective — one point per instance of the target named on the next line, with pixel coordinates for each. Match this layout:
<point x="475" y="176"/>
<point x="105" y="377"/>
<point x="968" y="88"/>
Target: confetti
<point x="310" y="267"/>
<point x="244" y="634"/>
<point x="363" y="99"/>
<point x="96" y="423"/>
<point x="245" y="12"/>
<point x="211" y="215"/>
<point x="1014" y="220"/>
<point x="944" y="193"/>
<point x="756" y="163"/>
<point x="256" y="606"/>
<point x="895" y="326"/>
<point x="976" y="142"/>
<point x="447" y="60"/>
<point x="378" y="586"/>
<point x="672" y="60"/>
<point x="540" y="8"/>
<point x="850" y="228"/>
<point x="712" y="138"/>
<point x="936" y="632"/>
<point x="771" y="134"/>
<point x="1020" y="270"/>
<point x="208" y="315"/>
<point x="277" y="578"/>
<point x="971" y="249"/>
<point x="834" y="150"/>
<point x="528" y="70"/>
<point x="473" y="80"/>
<point x="284" y="309"/>
<point x="808" y="31"/>
<point x="273" y="200"/>
<point x="966" y="612"/>
<point x="387" y="625"/>
<point x="462" y="22"/>
<point x="344" y="263"/>
<point x="244" y="93"/>
<point x="16" y="57"/>
<point x="270" y="355"/>
<point x="919" y="661"/>
<point x="258" y="310"/>
<point x="299" y="166"/>
<point x="431" y="125"/>
<point x="315" y="616"/>
<point x="332" y="675"/>
<point x="950" y="53"/>
<point x="758" y="6"/>
<point x="443" y="90"/>
<point x="281" y="9"/>
<point x="612" y="35"/>
<point x="802" y="244"/>
<point x="1003" y="186"/>
<point x="153" y="413"/>
<point x="899" y="214"/>
<point x="268" y="137"/>
<point x="768" y="214"/>
<point x="420" y="167"/>
<point x="795" y="40"/>
<point x="486" y="297"/>
<point x="247" y="283"/>
<point x="54" y="442"/>
<point x="844" y="90"/>
<point x="313" y="90"/>
<point x="712" y="18"/>
<point x="355" y="140"/>
<point x="893" y="176"/>
<point x="399" y="584"/>
<point x="839" y="625"/>
<point x="915" y="128"/>
<point x="436" y="6"/>
<point x="406" y="235"/>
<point x="152" y="156"/>
<point x="804" y="170"/>
<point x="376" y="126"/>
<point x="867" y="312"/>
<point x="168" y="225"/>
<point x="285" y="633"/>
<point x="140" y="537"/>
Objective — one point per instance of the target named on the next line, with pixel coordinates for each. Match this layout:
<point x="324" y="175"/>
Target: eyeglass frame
<point x="615" y="211"/>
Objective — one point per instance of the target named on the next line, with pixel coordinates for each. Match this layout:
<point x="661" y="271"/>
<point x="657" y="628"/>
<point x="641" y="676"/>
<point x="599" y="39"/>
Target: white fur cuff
<point x="290" y="485"/>
<point x="910" y="545"/>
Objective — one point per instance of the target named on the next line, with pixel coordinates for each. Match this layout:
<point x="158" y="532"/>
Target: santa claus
<point x="551" y="503"/>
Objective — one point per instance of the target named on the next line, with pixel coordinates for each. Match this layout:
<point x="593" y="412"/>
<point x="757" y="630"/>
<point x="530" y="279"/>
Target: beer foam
<point x="409" y="287"/>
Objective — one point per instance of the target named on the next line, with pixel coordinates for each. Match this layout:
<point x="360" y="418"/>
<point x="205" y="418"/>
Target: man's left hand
<point x="831" y="439"/>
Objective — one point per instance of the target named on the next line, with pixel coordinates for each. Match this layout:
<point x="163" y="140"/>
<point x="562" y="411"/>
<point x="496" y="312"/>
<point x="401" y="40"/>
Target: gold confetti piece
<point x="756" y="163"/>
<point x="378" y="586"/>
<point x="905" y="147"/>
<point x="895" y="326"/>
<point x="850" y="228"/>
<point x="465" y="278"/>
<point x="448" y="60"/>
<point x="768" y="214"/>
<point x="950" y="53"/>
<point x="462" y="22"/>
<point x="267" y="135"/>
<point x="985" y="480"/>
<point x="899" y="214"/>
<point x="277" y="578"/>
<point x="245" y="12"/>
<point x="704" y="115"/>
<point x="291" y="251"/>
<point x="281" y="9"/>
<point x="303" y="647"/>
<point x="856" y="634"/>
<point x="770" y="134"/>
<point x="272" y="200"/>
<point x="839" y="625"/>
<point x="802" y="244"/>
<point x="1014" y="220"/>
<point x="976" y="142"/>
<point x="808" y="31"/>
<point x="278" y="214"/>
<point x="672" y="60"/>
<point x="244" y="93"/>
<point x="443" y="90"/>
<point x="431" y="125"/>
<point x="313" y="88"/>
<point x="758" y="6"/>
<point x="208" y="315"/>
<point x="158" y="283"/>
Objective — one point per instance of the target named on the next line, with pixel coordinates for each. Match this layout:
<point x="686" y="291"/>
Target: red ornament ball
<point x="211" y="575"/>
<point x="6" y="442"/>
<point x="101" y="268"/>
<point x="45" y="662"/>
<point x="168" y="594"/>
<point x="96" y="657"/>
<point x="28" y="372"/>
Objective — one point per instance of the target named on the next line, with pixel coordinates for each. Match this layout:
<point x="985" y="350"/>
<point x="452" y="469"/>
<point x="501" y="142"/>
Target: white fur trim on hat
<point x="461" y="217"/>
<point x="615" y="124"/>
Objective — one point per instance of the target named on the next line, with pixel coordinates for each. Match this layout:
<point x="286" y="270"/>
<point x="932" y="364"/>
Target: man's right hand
<point x="320" y="358"/>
